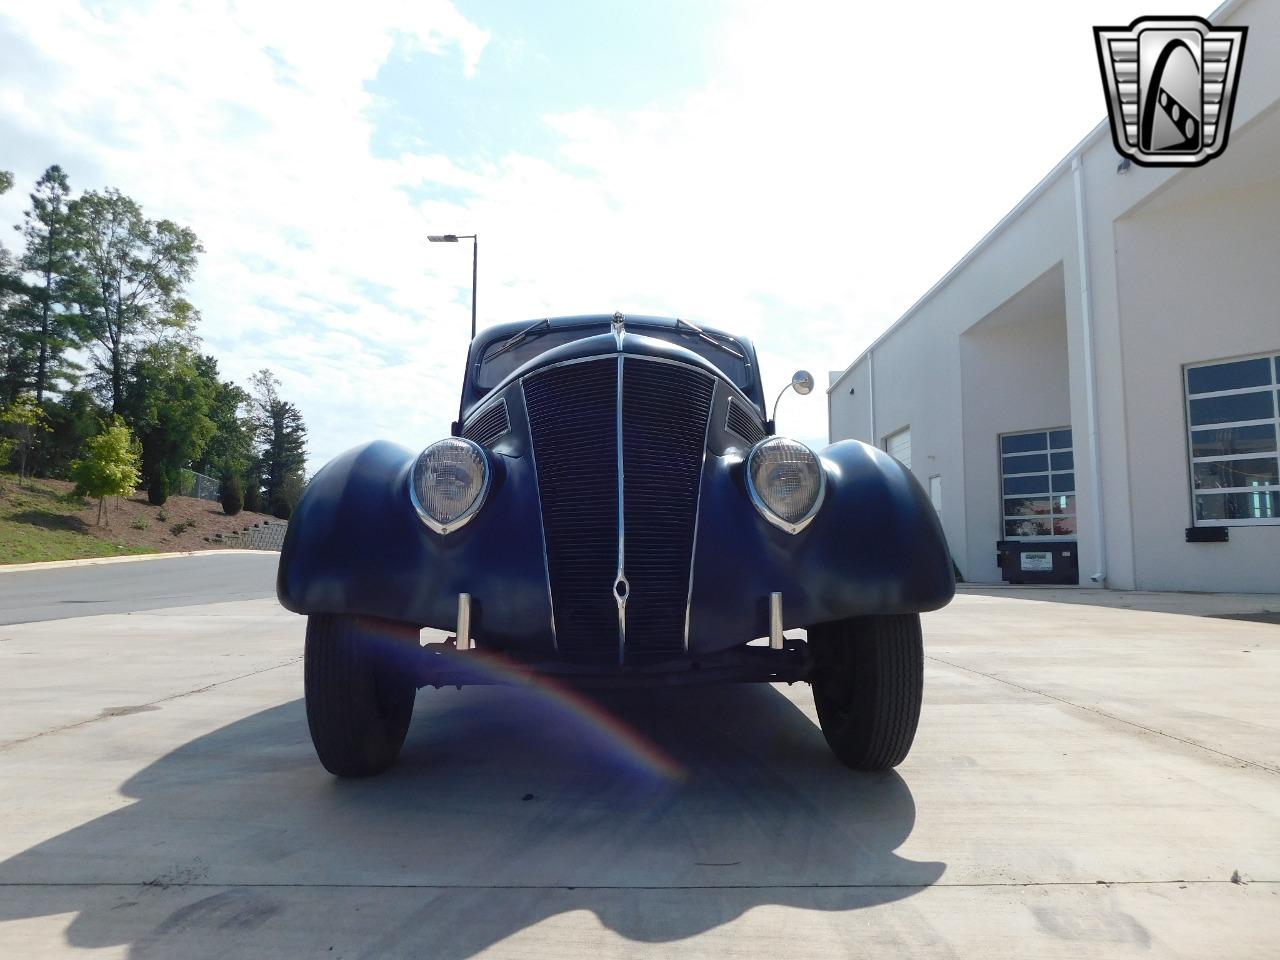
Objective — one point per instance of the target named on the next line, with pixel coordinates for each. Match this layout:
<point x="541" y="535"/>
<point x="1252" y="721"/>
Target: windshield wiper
<point x="698" y="332"/>
<point x="520" y="337"/>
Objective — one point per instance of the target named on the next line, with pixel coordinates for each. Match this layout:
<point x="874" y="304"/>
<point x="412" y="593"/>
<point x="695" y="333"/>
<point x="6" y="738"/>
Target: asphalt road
<point x="1087" y="782"/>
<point x="27" y="596"/>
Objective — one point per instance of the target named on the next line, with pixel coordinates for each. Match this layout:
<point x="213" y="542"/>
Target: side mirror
<point x="801" y="383"/>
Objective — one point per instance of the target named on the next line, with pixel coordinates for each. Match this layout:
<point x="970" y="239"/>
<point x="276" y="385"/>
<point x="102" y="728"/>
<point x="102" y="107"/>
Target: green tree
<point x="18" y="349"/>
<point x="24" y="421"/>
<point x="281" y="437"/>
<point x="73" y="419"/>
<point x="16" y="353"/>
<point x="109" y="467"/>
<point x="131" y="273"/>
<point x="230" y="449"/>
<point x="167" y="401"/>
<point x="48" y="255"/>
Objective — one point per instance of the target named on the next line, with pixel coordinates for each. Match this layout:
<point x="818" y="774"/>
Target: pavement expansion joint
<point x="958" y="885"/>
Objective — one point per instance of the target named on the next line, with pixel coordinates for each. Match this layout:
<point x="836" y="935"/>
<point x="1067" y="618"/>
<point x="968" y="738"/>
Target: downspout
<point x="1090" y="374"/>
<point x="871" y="394"/>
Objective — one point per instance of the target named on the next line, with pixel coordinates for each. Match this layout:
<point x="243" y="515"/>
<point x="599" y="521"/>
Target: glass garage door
<point x="1038" y="485"/>
<point x="1232" y="424"/>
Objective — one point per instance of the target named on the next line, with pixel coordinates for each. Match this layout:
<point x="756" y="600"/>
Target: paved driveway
<point x="83" y="590"/>
<point x="1087" y="782"/>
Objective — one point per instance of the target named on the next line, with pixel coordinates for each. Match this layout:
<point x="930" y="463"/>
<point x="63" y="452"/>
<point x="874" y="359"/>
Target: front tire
<point x="360" y="688"/>
<point x="868" y="683"/>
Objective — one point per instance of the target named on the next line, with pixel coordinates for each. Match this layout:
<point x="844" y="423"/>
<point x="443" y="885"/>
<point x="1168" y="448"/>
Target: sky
<point x="799" y="173"/>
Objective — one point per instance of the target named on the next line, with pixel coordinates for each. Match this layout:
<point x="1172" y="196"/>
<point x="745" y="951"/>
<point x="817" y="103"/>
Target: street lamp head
<point x="443" y="238"/>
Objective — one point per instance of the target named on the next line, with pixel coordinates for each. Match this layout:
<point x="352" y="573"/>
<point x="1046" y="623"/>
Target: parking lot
<point x="1095" y="775"/>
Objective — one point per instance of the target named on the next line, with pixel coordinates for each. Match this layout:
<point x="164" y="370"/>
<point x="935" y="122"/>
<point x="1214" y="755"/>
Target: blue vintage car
<point x="613" y="508"/>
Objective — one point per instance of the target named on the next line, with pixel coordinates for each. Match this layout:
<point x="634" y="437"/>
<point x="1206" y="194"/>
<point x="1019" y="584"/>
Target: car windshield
<point x="725" y="353"/>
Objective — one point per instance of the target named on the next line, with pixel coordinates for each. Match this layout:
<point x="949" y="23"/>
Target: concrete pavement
<point x="1086" y="783"/>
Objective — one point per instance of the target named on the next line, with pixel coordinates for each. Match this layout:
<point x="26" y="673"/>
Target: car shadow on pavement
<point x="664" y="813"/>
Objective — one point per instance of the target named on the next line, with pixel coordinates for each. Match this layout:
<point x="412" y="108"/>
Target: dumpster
<point x="1038" y="561"/>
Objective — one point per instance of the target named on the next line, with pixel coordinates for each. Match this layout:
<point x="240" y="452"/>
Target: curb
<point x="93" y="561"/>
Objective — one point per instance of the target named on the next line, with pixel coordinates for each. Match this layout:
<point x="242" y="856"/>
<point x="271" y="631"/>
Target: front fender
<point x="874" y="547"/>
<point x="355" y="545"/>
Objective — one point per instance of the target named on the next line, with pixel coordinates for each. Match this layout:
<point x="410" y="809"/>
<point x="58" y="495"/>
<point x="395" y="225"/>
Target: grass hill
<point x="44" y="520"/>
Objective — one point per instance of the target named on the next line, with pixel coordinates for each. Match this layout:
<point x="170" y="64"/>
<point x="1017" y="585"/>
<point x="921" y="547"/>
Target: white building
<point x="1103" y="366"/>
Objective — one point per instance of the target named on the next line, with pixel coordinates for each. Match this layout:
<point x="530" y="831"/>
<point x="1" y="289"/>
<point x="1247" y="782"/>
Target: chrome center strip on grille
<point x="620" y="586"/>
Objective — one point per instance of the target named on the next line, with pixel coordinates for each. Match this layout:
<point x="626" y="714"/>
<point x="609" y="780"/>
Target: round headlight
<point x="786" y="482"/>
<point x="448" y="483"/>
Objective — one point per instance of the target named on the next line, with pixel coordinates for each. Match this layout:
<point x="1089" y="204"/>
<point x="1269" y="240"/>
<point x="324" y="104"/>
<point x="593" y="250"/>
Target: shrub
<point x="232" y="495"/>
<point x="281" y="509"/>
<point x="181" y="527"/>
<point x="140" y="524"/>
<point x="253" y="497"/>
<point x="158" y="490"/>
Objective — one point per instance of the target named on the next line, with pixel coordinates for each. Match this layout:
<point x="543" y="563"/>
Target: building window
<point x="1038" y="485"/>
<point x="1232" y="432"/>
<point x="898" y="445"/>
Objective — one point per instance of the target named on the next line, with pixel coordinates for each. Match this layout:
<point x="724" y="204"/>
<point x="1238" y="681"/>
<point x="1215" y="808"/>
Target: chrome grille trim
<point x="622" y="518"/>
<point x="542" y="529"/>
<point x="571" y="427"/>
<point x="487" y="426"/>
<point x="742" y="424"/>
<point x="661" y="450"/>
<point x="665" y="421"/>
<point x="697" y="515"/>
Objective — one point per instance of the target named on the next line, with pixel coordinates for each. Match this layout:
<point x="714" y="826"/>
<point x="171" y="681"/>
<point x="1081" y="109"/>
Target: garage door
<point x="898" y="446"/>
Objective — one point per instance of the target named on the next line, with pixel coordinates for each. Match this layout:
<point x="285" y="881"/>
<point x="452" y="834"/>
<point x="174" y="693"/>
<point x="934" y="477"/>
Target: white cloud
<point x="835" y="164"/>
<point x="249" y="123"/>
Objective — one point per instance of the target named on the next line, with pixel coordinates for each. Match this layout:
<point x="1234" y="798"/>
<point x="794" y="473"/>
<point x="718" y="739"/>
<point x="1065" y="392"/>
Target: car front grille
<point x="574" y="422"/>
<point x="574" y="425"/>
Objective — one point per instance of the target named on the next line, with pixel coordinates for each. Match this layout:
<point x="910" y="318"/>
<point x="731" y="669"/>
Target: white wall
<point x="1199" y="281"/>
<point x="918" y="371"/>
<point x="1014" y="378"/>
<point x="848" y="406"/>
<point x="1146" y="229"/>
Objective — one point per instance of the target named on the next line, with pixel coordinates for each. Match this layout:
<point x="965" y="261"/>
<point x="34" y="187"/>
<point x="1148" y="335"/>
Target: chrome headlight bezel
<point x="465" y="517"/>
<point x="764" y="509"/>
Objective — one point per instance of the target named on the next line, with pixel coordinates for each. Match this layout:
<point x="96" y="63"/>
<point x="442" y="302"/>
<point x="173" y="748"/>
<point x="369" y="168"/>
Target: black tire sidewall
<point x="868" y="687"/>
<point x="360" y="690"/>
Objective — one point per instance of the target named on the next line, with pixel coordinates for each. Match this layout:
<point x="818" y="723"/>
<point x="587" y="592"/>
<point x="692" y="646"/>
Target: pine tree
<point x="48" y="255"/>
<point x="281" y="436"/>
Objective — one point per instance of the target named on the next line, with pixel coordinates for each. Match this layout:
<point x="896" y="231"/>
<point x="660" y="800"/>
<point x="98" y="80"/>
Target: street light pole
<point x="475" y="259"/>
